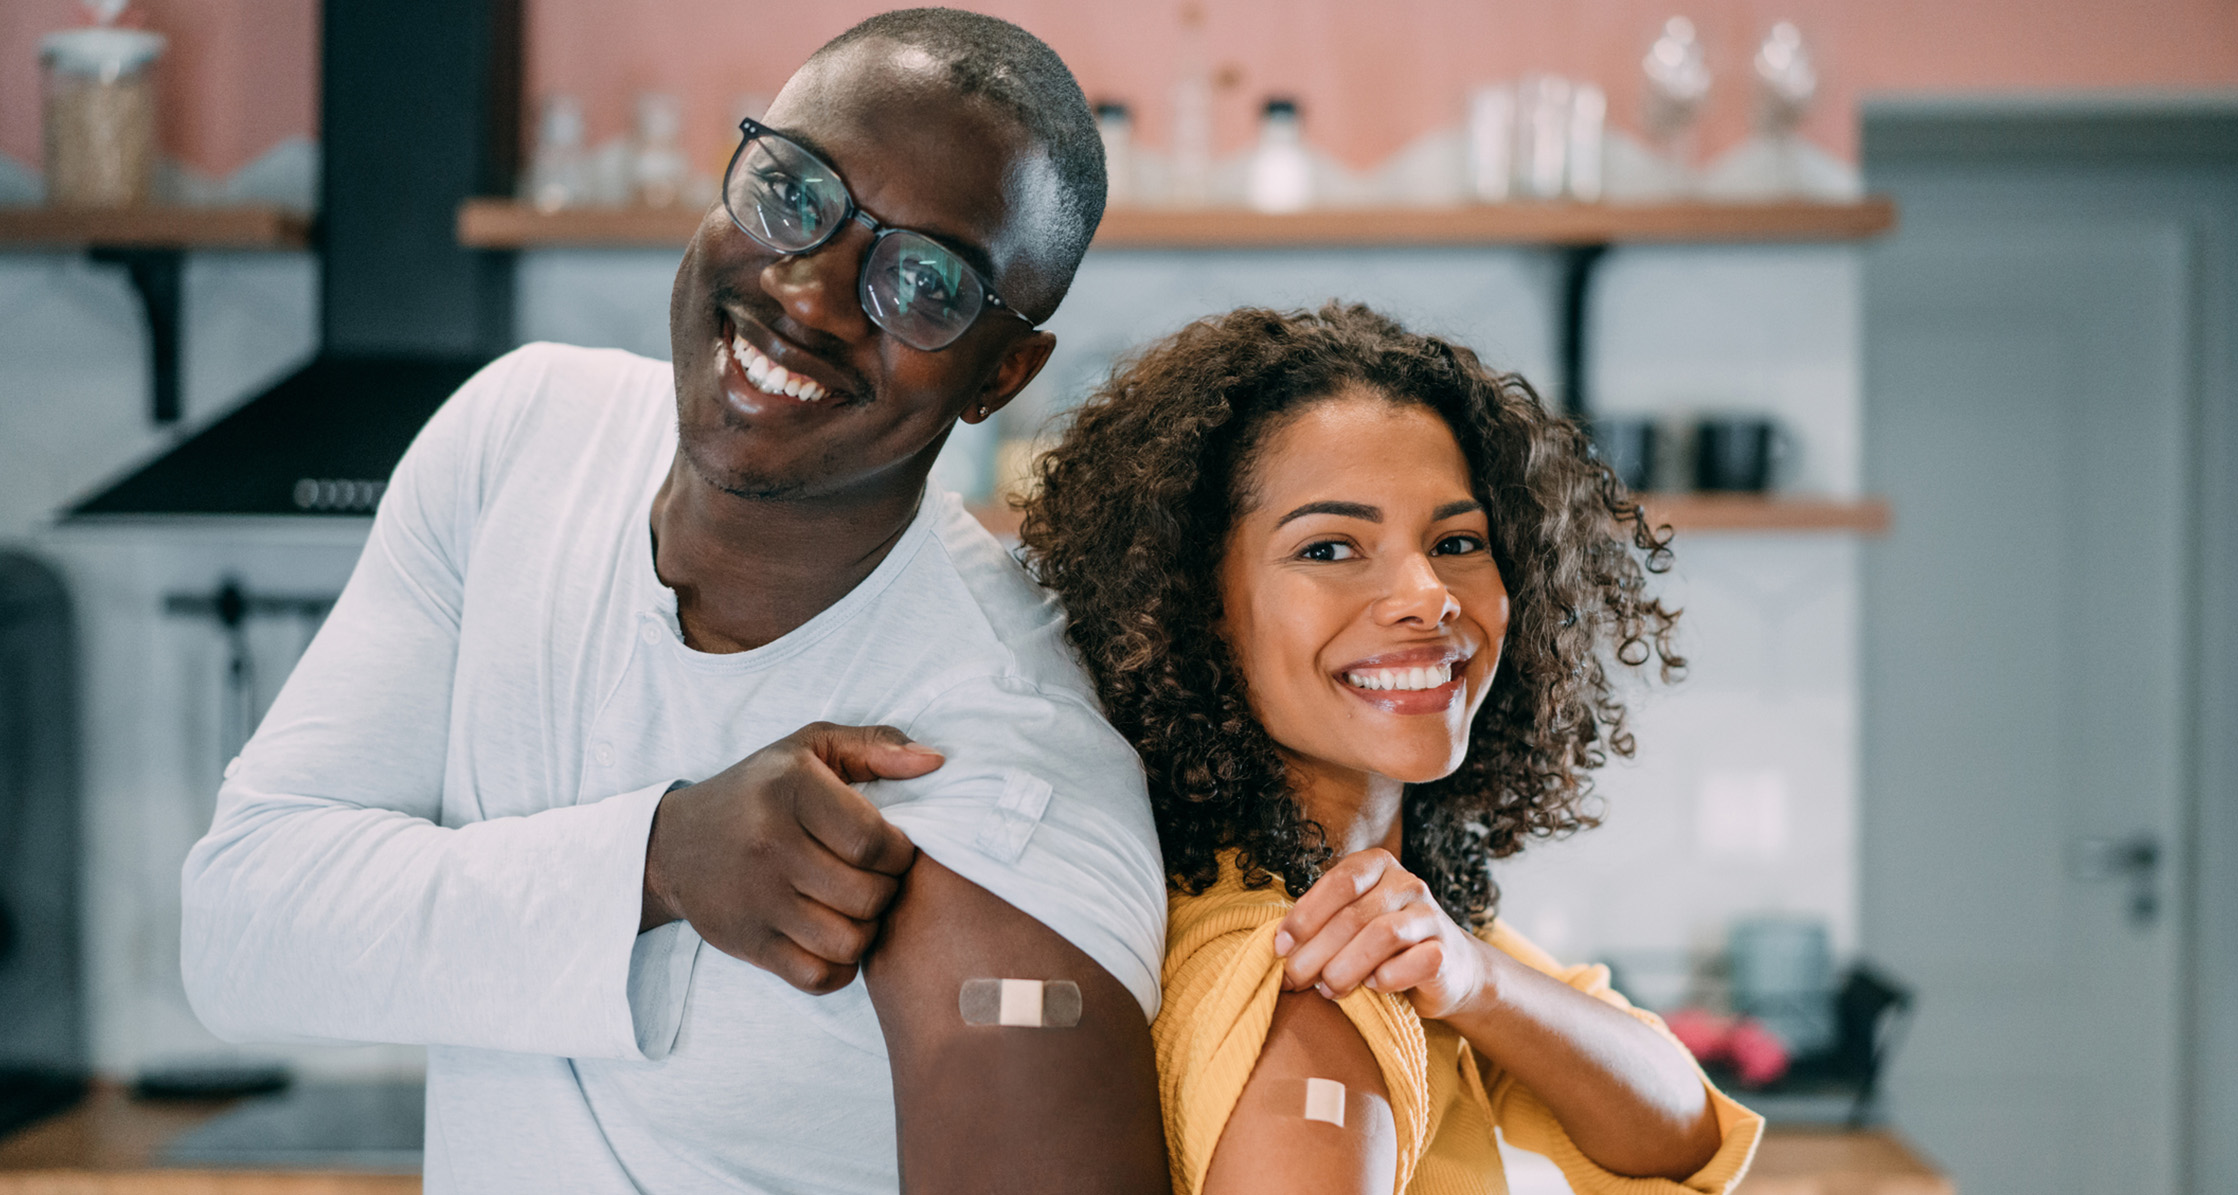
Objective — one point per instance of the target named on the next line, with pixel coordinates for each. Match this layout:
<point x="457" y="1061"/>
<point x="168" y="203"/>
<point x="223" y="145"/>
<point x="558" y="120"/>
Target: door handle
<point x="2135" y="859"/>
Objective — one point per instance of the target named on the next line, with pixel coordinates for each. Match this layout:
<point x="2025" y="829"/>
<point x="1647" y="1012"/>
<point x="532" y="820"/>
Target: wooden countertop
<point x="106" y="1145"/>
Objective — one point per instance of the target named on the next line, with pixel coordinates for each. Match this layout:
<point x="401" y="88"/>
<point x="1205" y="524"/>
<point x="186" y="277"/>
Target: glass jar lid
<point x="105" y="53"/>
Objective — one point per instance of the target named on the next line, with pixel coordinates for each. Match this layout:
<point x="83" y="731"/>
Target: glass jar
<point x="100" y="116"/>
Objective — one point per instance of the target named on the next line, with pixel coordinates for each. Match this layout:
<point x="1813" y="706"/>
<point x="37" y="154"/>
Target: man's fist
<point x="778" y="862"/>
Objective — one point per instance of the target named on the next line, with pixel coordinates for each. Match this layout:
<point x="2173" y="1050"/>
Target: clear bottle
<point x="1678" y="84"/>
<point x="1189" y="177"/>
<point x="558" y="174"/>
<point x="1116" y="126"/>
<point x="1281" y="169"/>
<point x="1542" y="136"/>
<point x="658" y="170"/>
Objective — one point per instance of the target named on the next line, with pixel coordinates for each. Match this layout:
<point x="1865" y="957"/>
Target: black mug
<point x="1629" y="445"/>
<point x="1736" y="456"/>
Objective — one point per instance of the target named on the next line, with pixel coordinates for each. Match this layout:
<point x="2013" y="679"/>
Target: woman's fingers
<point x="1380" y="941"/>
<point x="1307" y="959"/>
<point x="1346" y="881"/>
<point x="1411" y="968"/>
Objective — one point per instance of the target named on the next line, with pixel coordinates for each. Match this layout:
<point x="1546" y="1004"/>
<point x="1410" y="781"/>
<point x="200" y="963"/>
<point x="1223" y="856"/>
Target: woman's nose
<point x="817" y="289"/>
<point x="1417" y="595"/>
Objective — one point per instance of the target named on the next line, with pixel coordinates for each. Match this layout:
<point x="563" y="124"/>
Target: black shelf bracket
<point x="155" y="274"/>
<point x="1578" y="263"/>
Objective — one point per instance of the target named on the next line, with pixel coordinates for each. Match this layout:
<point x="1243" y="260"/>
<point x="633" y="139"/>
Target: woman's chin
<point x="1421" y="767"/>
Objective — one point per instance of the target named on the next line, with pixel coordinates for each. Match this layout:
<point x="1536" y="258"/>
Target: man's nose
<point x="1418" y="595"/>
<point x="817" y="289"/>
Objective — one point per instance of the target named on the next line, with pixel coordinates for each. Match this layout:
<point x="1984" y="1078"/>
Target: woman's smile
<point x="1416" y="680"/>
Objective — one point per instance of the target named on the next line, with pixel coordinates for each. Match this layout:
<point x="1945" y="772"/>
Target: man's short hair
<point x="1018" y="73"/>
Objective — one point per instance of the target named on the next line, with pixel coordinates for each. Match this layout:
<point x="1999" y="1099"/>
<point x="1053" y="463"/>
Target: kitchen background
<point x="1751" y="802"/>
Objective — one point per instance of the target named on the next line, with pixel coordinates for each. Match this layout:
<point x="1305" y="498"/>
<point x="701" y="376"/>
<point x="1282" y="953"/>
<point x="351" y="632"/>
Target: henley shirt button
<point x="650" y="631"/>
<point x="605" y="755"/>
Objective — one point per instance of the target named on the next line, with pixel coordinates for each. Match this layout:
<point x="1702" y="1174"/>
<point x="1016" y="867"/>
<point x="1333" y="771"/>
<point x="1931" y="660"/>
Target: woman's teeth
<point x="768" y="376"/>
<point x="1427" y="677"/>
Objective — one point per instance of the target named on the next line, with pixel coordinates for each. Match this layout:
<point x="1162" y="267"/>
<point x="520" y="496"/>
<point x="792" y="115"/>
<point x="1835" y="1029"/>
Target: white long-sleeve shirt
<point x="438" y="834"/>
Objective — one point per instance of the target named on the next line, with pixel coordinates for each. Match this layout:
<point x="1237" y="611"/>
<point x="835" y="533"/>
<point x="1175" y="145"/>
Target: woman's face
<point x="1361" y="598"/>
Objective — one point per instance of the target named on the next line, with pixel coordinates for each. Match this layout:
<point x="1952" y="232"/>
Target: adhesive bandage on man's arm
<point x="985" y="1097"/>
<point x="1020" y="1003"/>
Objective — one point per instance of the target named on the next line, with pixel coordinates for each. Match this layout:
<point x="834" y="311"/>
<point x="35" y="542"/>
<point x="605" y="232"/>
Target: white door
<point x="2028" y="386"/>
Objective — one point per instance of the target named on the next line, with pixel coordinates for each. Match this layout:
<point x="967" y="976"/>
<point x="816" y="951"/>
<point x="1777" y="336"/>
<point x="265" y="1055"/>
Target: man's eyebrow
<point x="1349" y="510"/>
<point x="974" y="256"/>
<point x="1450" y="509"/>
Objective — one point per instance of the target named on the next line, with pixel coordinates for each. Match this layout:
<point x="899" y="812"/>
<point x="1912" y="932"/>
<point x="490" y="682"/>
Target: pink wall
<point x="242" y="73"/>
<point x="1370" y="83"/>
<point x="238" y="77"/>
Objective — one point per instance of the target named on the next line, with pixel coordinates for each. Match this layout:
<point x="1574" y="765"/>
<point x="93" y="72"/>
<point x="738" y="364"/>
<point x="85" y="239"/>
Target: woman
<point x="1353" y="597"/>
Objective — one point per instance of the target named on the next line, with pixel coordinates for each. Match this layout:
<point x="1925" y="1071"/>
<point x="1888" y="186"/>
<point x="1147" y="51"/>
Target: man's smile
<point x="748" y="357"/>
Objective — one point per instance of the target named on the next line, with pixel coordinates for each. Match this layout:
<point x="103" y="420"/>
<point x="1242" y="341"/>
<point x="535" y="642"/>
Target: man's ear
<point x="1020" y="364"/>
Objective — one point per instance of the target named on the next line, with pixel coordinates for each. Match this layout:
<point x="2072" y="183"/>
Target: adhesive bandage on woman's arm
<point x="1022" y="1003"/>
<point x="1324" y="1100"/>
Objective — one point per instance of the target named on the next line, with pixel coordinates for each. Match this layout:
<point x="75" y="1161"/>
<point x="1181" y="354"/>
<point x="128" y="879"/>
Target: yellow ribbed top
<point x="1221" y="980"/>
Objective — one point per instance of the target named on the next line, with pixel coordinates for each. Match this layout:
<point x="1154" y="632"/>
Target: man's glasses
<point x="792" y="201"/>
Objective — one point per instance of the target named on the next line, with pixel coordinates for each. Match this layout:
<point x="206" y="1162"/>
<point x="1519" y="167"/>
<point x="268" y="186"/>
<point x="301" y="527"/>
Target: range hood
<point x="420" y="109"/>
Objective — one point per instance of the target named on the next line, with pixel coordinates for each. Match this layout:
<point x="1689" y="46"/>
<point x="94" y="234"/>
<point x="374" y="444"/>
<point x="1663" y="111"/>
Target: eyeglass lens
<point x="912" y="286"/>
<point x="919" y="291"/>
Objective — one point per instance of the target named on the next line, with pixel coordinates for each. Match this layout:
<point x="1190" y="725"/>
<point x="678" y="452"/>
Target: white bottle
<point x="1589" y="111"/>
<point x="1281" y="169"/>
<point x="1491" y="130"/>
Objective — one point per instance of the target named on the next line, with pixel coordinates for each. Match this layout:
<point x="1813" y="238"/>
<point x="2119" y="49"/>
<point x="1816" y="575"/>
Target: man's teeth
<point x="1426" y="677"/>
<point x="768" y="376"/>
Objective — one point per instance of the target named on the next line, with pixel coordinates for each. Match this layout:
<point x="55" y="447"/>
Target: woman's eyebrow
<point x="1349" y="510"/>
<point x="1450" y="509"/>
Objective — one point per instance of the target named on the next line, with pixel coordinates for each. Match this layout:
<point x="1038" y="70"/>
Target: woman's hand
<point x="1368" y="921"/>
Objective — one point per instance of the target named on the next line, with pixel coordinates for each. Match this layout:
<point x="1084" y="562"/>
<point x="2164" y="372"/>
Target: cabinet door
<point x="2028" y="391"/>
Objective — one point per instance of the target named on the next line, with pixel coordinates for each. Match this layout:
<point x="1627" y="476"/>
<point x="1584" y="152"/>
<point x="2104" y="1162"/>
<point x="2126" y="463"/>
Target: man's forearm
<point x="324" y="920"/>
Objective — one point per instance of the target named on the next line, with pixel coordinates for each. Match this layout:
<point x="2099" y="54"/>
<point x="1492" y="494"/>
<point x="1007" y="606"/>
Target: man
<point x="550" y="745"/>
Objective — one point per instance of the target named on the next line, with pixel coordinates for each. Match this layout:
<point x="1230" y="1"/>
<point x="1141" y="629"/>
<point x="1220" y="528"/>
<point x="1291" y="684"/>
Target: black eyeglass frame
<point x="752" y="130"/>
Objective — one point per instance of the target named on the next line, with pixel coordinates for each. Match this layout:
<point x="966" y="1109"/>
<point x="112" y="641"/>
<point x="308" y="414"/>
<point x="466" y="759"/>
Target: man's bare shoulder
<point x="992" y="1107"/>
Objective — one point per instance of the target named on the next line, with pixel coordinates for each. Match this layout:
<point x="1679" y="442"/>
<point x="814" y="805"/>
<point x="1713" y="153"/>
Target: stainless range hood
<point x="420" y="109"/>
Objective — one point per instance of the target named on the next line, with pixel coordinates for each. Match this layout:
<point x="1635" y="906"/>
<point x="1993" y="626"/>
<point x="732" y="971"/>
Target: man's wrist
<point x="655" y="908"/>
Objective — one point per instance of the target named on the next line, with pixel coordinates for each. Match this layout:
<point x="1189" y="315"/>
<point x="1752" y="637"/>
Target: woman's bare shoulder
<point x="1315" y="1116"/>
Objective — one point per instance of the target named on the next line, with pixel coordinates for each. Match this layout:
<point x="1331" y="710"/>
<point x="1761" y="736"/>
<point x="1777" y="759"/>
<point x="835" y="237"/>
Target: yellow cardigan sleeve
<point x="1221" y="980"/>
<point x="1529" y="1124"/>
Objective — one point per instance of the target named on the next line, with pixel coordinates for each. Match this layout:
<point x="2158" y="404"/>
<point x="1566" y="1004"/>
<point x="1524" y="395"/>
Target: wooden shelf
<point x="1682" y="512"/>
<point x="1500" y="224"/>
<point x="504" y="224"/>
<point x="1751" y="512"/>
<point x="246" y="227"/>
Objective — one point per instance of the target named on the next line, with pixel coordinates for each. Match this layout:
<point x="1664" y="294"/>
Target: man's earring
<point x="983" y="411"/>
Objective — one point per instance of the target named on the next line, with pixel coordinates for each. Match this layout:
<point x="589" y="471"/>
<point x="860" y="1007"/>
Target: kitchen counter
<point x="108" y="1146"/>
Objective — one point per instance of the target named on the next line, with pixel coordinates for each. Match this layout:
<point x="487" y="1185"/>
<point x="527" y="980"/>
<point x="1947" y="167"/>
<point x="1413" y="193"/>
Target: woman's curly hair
<point x="1132" y="517"/>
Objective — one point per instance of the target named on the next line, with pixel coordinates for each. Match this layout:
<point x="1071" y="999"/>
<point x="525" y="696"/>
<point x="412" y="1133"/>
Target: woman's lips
<point x="1412" y="682"/>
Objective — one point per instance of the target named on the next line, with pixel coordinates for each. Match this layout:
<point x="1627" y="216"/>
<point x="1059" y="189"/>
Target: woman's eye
<point x="1458" y="545"/>
<point x="1328" y="549"/>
